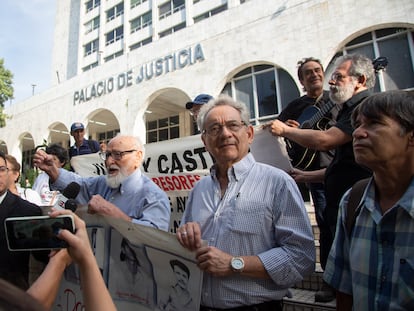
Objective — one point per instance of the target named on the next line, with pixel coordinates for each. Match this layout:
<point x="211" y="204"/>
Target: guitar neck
<point x="320" y="114"/>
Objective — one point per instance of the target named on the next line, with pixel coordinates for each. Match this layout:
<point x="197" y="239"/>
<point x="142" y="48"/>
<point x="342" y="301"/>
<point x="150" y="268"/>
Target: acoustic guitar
<point x="313" y="117"/>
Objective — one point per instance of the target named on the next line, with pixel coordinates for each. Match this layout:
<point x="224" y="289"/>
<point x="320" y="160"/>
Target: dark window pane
<point x="174" y="132"/>
<point x="163" y="134"/>
<point x="151" y="125"/>
<point x="244" y="93"/>
<point x="399" y="73"/>
<point x="266" y="93"/>
<point x="163" y="122"/>
<point x="287" y="87"/>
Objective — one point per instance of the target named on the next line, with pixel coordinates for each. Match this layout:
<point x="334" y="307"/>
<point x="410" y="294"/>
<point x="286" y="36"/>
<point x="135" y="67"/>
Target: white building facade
<point x="130" y="66"/>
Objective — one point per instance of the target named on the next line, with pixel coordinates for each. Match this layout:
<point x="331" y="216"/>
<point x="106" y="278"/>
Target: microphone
<point x="71" y="204"/>
<point x="69" y="193"/>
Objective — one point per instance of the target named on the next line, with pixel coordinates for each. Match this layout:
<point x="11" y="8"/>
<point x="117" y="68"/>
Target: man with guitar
<point x="349" y="84"/>
<point x="312" y="110"/>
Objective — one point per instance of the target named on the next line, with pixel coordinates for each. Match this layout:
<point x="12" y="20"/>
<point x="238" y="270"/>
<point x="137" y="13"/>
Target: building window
<point x="163" y="129"/>
<point x="142" y="21"/>
<point x="210" y="13"/>
<point x="171" y="30"/>
<point x="89" y="67"/>
<point x="106" y="136"/>
<point x="265" y="89"/>
<point x="141" y="43"/>
<point x="91" y="47"/>
<point x="91" y="4"/>
<point x="170" y="7"/>
<point x="135" y="3"/>
<point x="115" y="35"/>
<point x="115" y="55"/>
<point x="115" y="11"/>
<point x="397" y="45"/>
<point x="92" y="25"/>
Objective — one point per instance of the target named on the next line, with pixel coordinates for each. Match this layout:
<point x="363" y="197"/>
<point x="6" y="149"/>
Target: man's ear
<point x="362" y="80"/>
<point x="411" y="138"/>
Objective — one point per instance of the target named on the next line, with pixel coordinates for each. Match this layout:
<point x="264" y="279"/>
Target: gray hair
<point x="397" y="105"/>
<point x="360" y="66"/>
<point x="223" y="100"/>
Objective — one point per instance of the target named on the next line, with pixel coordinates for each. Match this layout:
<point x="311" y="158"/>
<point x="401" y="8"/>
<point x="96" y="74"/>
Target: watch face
<point x="237" y="263"/>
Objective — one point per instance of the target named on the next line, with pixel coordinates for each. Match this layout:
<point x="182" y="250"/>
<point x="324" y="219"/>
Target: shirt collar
<point x="357" y="98"/>
<point x="3" y="196"/>
<point x="239" y="169"/>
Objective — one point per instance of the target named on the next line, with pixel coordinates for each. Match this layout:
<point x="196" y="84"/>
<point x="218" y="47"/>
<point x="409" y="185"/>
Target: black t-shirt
<point x="302" y="156"/>
<point x="343" y="171"/>
<point x="14" y="266"/>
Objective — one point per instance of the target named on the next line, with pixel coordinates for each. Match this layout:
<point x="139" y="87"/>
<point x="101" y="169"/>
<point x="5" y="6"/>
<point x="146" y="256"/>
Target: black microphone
<point x="71" y="204"/>
<point x="70" y="192"/>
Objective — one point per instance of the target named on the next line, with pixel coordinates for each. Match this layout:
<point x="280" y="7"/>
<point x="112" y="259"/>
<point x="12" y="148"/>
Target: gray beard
<point x="342" y="94"/>
<point x="115" y="181"/>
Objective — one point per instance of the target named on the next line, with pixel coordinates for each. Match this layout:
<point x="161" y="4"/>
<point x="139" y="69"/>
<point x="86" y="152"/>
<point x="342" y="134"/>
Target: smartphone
<point x="31" y="233"/>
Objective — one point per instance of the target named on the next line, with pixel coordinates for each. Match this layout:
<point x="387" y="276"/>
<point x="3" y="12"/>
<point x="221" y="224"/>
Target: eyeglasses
<point x="338" y="77"/>
<point x="3" y="170"/>
<point x="232" y="126"/>
<point x="116" y="155"/>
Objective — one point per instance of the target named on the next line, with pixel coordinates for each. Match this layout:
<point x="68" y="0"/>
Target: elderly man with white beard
<point x="350" y="84"/>
<point x="123" y="193"/>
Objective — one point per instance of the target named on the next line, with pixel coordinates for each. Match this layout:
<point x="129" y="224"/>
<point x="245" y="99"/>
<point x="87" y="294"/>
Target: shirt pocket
<point x="248" y="219"/>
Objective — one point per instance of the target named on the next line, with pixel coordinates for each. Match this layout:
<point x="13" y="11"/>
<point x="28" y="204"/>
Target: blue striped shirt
<point x="261" y="213"/>
<point x="376" y="265"/>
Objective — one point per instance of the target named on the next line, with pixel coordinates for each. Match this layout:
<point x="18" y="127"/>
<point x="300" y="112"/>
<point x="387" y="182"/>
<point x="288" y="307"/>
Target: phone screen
<point x="37" y="232"/>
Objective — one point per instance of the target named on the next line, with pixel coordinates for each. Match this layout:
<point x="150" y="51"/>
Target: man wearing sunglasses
<point x="123" y="193"/>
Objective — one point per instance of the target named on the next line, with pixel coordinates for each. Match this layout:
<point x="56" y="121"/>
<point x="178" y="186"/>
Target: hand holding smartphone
<point x="32" y="233"/>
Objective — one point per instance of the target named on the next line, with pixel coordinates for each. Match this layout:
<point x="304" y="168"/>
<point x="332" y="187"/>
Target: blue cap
<point x="199" y="100"/>
<point x="76" y="126"/>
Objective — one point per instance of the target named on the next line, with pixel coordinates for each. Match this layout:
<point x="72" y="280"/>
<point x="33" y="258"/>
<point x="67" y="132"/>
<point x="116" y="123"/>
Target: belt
<point x="274" y="305"/>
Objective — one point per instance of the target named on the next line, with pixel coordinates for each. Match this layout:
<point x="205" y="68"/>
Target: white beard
<point x="115" y="181"/>
<point x="340" y="94"/>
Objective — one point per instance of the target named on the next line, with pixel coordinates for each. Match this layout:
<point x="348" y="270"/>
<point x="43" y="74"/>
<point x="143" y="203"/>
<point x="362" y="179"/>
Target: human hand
<point x="79" y="247"/>
<point x="43" y="160"/>
<point x="292" y="123"/>
<point x="275" y="127"/>
<point x="214" y="261"/>
<point x="61" y="255"/>
<point x="189" y="235"/>
<point x="298" y="175"/>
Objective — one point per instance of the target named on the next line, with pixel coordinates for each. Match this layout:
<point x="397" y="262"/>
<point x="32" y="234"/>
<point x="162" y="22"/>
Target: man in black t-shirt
<point x="311" y="76"/>
<point x="349" y="84"/>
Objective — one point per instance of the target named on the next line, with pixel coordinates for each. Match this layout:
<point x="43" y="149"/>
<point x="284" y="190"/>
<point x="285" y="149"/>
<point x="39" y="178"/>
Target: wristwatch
<point x="237" y="264"/>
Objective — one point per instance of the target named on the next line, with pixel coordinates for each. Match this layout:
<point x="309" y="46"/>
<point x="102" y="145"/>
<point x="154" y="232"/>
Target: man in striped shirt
<point x="246" y="222"/>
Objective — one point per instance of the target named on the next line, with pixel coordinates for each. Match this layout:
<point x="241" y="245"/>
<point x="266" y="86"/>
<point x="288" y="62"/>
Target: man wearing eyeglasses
<point x="123" y="193"/>
<point x="257" y="237"/>
<point x="14" y="266"/>
<point x="350" y="84"/>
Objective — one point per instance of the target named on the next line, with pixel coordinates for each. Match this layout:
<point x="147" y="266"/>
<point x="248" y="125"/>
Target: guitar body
<point x="312" y="117"/>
